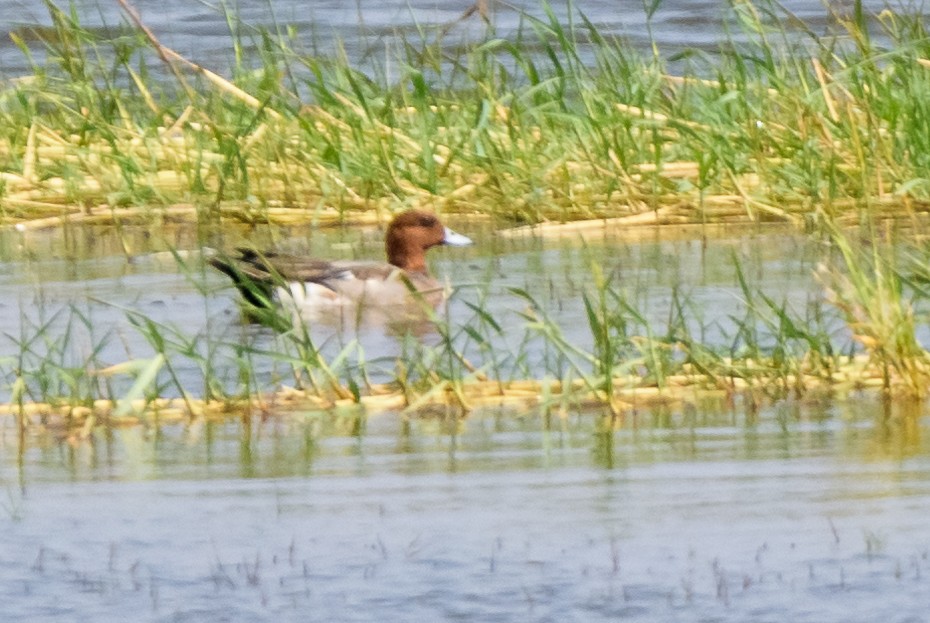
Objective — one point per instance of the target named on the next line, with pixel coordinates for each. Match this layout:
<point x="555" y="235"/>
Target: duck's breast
<point x="352" y="283"/>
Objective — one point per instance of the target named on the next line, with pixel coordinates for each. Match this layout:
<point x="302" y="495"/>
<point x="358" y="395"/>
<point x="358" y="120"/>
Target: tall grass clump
<point x="866" y="285"/>
<point x="556" y="120"/>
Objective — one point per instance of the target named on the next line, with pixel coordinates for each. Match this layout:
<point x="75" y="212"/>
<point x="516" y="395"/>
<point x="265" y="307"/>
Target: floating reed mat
<point x="559" y="122"/>
<point x="281" y="170"/>
<point x="628" y="393"/>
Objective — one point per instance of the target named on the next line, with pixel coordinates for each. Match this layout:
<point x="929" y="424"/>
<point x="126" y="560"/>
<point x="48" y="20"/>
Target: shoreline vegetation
<point x="554" y="124"/>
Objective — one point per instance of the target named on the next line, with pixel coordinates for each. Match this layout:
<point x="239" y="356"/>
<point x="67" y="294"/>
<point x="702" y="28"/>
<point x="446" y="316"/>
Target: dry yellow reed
<point x="629" y="392"/>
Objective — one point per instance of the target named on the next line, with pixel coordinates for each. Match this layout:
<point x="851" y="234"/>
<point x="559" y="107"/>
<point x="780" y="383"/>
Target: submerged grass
<point x="553" y="121"/>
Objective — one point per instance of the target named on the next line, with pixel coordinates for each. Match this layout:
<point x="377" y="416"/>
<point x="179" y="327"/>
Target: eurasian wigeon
<point x="308" y="284"/>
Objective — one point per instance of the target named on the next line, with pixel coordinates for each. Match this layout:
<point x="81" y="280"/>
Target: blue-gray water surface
<point x="798" y="513"/>
<point x="367" y="30"/>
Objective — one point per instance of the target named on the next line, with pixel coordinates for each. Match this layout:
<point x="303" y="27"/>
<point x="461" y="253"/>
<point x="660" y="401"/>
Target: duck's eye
<point x="428" y="220"/>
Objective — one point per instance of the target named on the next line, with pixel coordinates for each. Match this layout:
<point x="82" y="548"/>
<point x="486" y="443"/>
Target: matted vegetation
<point x="556" y="122"/>
<point x="779" y="125"/>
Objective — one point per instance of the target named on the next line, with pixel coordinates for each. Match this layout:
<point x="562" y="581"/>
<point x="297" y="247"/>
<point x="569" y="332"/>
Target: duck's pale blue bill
<point x="455" y="239"/>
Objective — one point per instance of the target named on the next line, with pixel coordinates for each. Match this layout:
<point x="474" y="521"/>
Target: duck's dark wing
<point x="256" y="273"/>
<point x="251" y="278"/>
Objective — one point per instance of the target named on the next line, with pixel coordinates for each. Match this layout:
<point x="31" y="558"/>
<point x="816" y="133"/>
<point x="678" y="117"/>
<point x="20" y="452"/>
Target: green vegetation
<point x="557" y="122"/>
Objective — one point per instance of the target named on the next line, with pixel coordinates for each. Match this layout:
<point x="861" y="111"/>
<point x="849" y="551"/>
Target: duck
<point x="302" y="284"/>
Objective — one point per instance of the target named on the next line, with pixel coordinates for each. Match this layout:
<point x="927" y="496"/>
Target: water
<point x="199" y="31"/>
<point x="680" y="517"/>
